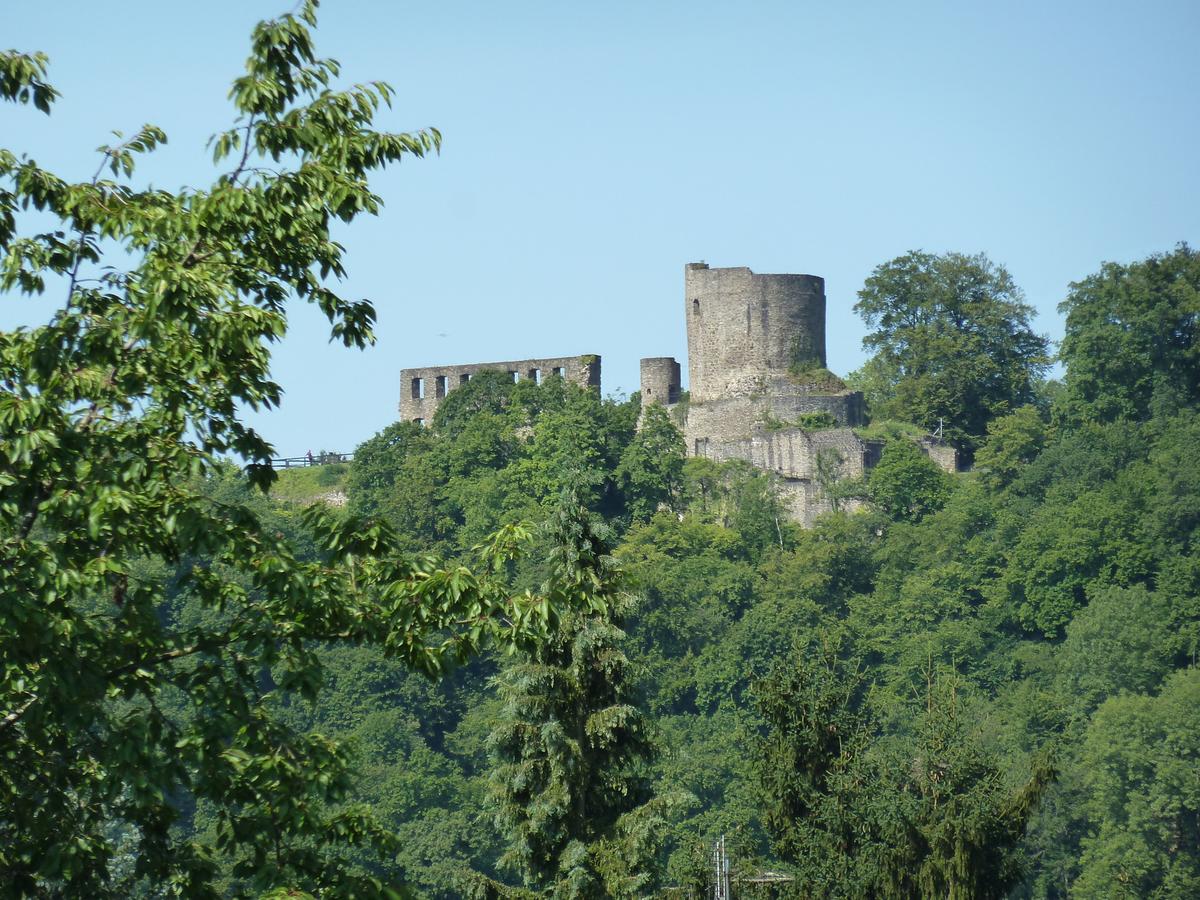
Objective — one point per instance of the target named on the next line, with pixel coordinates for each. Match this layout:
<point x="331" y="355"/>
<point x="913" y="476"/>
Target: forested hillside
<point x="975" y="685"/>
<point x="538" y="651"/>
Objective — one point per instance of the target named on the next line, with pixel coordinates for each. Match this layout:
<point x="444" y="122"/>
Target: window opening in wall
<point x="513" y="375"/>
<point x="418" y="388"/>
<point x="535" y="375"/>
<point x="440" y="386"/>
<point x="420" y="423"/>
<point x="695" y="306"/>
<point x="560" y="371"/>
<point x="464" y="377"/>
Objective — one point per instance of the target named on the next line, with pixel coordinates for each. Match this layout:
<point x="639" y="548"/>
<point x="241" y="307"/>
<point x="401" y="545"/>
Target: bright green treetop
<point x="952" y="340"/>
<point x="1132" y="342"/>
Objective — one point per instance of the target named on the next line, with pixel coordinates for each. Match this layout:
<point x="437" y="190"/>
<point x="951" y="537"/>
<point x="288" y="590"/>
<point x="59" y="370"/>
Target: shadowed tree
<point x="864" y="814"/>
<point x="569" y="786"/>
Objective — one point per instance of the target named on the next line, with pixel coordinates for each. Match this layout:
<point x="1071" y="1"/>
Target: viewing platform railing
<point x="311" y="459"/>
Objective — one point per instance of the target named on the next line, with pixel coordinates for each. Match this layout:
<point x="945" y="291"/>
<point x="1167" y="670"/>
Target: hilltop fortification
<point x="758" y="386"/>
<point x="759" y="389"/>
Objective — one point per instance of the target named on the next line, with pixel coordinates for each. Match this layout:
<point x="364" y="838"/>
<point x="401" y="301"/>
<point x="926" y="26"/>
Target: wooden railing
<point x="311" y="459"/>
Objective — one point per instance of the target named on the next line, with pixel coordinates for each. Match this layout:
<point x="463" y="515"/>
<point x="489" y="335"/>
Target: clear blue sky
<point x="592" y="149"/>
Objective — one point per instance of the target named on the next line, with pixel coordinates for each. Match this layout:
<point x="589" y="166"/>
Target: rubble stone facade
<point x="423" y="390"/>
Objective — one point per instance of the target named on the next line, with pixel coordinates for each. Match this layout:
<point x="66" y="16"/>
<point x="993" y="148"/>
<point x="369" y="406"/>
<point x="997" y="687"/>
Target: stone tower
<point x="758" y="387"/>
<point x="745" y="330"/>
<point x="660" y="380"/>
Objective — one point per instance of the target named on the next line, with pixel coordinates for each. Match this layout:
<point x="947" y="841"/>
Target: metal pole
<point x="721" y="864"/>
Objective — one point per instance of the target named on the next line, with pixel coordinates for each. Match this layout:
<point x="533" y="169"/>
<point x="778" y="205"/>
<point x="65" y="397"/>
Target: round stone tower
<point x="744" y="329"/>
<point x="660" y="380"/>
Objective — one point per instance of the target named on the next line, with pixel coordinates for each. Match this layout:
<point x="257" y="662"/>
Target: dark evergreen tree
<point x="865" y="815"/>
<point x="569" y="787"/>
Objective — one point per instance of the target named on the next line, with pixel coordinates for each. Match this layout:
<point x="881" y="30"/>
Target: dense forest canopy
<point x="541" y="652"/>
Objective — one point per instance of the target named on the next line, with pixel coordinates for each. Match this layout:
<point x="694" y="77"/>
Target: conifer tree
<point x="866" y="815"/>
<point x="569" y="789"/>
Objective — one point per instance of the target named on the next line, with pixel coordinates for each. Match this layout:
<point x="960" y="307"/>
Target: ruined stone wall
<point x="660" y="381"/>
<point x="790" y="452"/>
<point x="743" y="328"/>
<point x="791" y="456"/>
<point x="847" y="407"/>
<point x="423" y="390"/>
<point x="733" y="419"/>
<point x="942" y="454"/>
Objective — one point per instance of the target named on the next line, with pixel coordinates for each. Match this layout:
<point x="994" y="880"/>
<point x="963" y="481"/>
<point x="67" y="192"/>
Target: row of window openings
<point x="441" y="383"/>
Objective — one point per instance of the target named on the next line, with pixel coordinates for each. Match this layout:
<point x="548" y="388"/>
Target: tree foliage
<point x="206" y="690"/>
<point x="651" y="468"/>
<point x="905" y="484"/>
<point x="1140" y="760"/>
<point x="1132" y="341"/>
<point x="121" y="714"/>
<point x="569" y="781"/>
<point x="953" y="343"/>
<point x="921" y="815"/>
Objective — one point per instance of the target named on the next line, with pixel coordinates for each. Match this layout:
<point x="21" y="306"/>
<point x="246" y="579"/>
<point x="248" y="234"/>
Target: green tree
<point x="1132" y="341"/>
<point x="810" y="703"/>
<point x="487" y="391"/>
<point x="400" y="476"/>
<point x="954" y="825"/>
<point x="1013" y="441"/>
<point x="953" y="343"/>
<point x="905" y="484"/>
<point x="110" y="415"/>
<point x="1140" y="759"/>
<point x="569" y="784"/>
<point x="651" y="468"/>
<point x="866" y="815"/>
<point x="1123" y="640"/>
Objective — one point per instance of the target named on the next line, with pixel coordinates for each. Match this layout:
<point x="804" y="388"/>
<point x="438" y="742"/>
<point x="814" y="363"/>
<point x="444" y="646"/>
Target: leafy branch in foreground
<point x="111" y="416"/>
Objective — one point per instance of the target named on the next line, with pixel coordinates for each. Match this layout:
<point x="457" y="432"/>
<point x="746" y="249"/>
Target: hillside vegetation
<point x="539" y="653"/>
<point x="982" y="685"/>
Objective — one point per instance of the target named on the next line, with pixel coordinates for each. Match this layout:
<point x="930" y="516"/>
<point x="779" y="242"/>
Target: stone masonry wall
<point x="422" y="390"/>
<point x="791" y="455"/>
<point x="942" y="454"/>
<point x="791" y="452"/>
<point x="743" y="328"/>
<point x="660" y="381"/>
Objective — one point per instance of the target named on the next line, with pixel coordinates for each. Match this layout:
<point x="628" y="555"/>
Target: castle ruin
<point x="759" y="389"/>
<point x="423" y="390"/>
